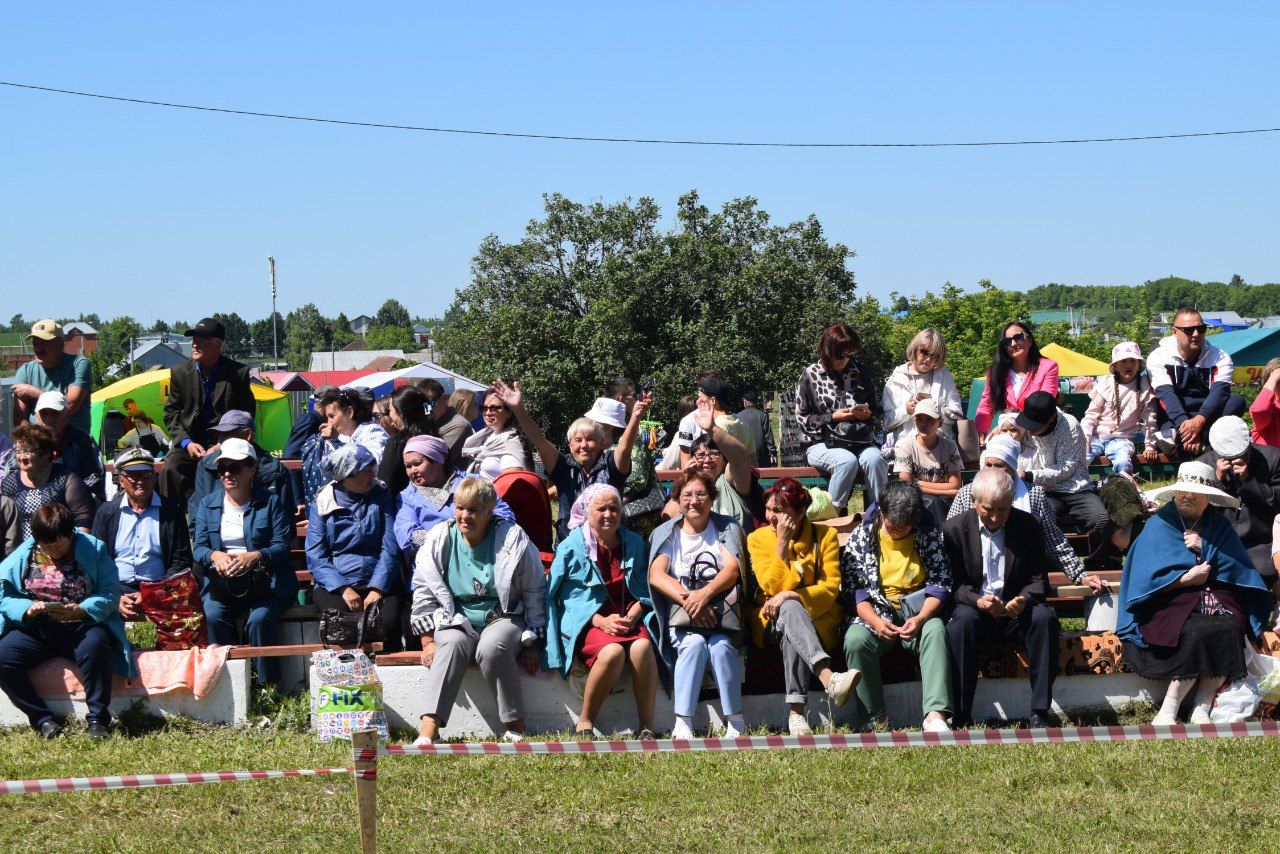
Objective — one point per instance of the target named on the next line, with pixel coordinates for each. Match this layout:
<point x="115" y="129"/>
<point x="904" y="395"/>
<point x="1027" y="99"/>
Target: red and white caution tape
<point x="149" y="781"/>
<point x="917" y="738"/>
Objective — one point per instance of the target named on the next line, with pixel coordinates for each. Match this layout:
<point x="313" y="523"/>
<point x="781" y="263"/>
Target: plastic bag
<point x="1236" y="702"/>
<point x="1266" y="671"/>
<point x="822" y="507"/>
<point x="349" y="697"/>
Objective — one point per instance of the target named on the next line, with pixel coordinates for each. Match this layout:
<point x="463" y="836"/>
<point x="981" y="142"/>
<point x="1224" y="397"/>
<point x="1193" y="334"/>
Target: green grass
<point x="1202" y="795"/>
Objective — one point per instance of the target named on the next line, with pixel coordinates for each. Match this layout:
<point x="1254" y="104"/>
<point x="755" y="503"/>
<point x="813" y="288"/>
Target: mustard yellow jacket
<point x="813" y="572"/>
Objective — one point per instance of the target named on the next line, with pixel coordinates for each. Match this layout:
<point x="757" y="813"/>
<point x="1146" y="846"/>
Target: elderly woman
<point x="719" y="455"/>
<point x="695" y="565"/>
<point x="59" y="596"/>
<point x="351" y="544"/>
<point x="587" y="461"/>
<point x="924" y="376"/>
<point x="347" y="418"/>
<point x="1190" y="598"/>
<point x="478" y="591"/>
<point x="896" y="582"/>
<point x="500" y="446"/>
<point x="838" y="411"/>
<point x="241" y="552"/>
<point x="1017" y="372"/>
<point x="598" y="607"/>
<point x="797" y="570"/>
<point x="409" y="414"/>
<point x="38" y="479"/>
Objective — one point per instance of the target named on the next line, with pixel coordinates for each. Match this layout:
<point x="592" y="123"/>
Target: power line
<point x="632" y="140"/>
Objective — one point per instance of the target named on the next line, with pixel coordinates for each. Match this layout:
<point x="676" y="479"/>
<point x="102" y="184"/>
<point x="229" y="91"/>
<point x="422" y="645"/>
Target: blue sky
<point x="119" y="209"/>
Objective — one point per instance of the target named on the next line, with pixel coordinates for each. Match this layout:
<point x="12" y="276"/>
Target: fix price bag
<point x="348" y="696"/>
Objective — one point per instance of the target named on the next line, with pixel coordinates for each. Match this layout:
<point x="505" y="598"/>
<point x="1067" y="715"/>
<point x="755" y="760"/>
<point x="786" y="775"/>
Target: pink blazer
<point x="1266" y="424"/>
<point x="1044" y="378"/>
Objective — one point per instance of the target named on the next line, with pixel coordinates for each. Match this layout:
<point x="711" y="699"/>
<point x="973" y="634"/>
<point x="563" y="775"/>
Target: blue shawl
<point x="1158" y="558"/>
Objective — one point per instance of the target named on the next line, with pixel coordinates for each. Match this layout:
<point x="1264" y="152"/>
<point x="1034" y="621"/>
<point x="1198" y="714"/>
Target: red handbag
<point x="173" y="605"/>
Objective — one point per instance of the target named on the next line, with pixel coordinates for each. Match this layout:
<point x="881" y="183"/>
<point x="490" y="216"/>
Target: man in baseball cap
<point x="76" y="448"/>
<point x="270" y="474"/>
<point x="1250" y="473"/>
<point x="53" y="370"/>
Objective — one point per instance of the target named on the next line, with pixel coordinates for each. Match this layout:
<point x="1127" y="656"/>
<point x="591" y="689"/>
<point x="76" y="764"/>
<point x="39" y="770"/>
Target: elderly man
<point x="76" y="448"/>
<point x="53" y="370"/>
<point x="145" y="534"/>
<point x="1250" y="473"/>
<point x="201" y="390"/>
<point x="1192" y="380"/>
<point x="452" y="426"/>
<point x="997" y="555"/>
<point x="270" y="475"/>
<point x="756" y="422"/>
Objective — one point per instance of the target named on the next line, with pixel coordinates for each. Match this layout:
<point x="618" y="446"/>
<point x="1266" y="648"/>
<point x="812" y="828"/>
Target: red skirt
<point x="594" y="640"/>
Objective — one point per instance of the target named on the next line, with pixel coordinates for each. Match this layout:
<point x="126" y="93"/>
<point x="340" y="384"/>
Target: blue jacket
<point x="102" y="605"/>
<point x="416" y="513"/>
<point x="266" y="528"/>
<point x="576" y="592"/>
<point x="354" y="546"/>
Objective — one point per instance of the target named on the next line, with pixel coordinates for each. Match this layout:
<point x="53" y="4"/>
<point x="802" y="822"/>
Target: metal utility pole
<point x="275" y="340"/>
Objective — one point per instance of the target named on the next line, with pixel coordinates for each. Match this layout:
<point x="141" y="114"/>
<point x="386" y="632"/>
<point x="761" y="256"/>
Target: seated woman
<point x="924" y="376"/>
<point x="409" y="414"/>
<point x="896" y="582"/>
<point x="727" y="462"/>
<point x="1190" y="597"/>
<point x="598" y="607"/>
<point x="351" y="547"/>
<point x="500" y="446"/>
<point x="931" y="460"/>
<point x="241" y="553"/>
<point x="347" y="418"/>
<point x="797" y="570"/>
<point x="695" y="563"/>
<point x="428" y="499"/>
<point x="478" y="591"/>
<point x="59" y="596"/>
<point x="38" y="479"/>
<point x="587" y="461"/>
<point x="1017" y="372"/>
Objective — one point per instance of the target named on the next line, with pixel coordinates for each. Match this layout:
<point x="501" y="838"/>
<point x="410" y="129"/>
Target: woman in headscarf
<point x="599" y="607"/>
<point x="1190" y="598"/>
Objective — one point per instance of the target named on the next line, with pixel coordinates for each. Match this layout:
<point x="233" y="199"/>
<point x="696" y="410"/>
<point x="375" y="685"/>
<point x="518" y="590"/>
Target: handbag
<point x="726" y="606"/>
<point x="850" y="435"/>
<point x="913" y="603"/>
<point x="253" y="586"/>
<point x="351" y="629"/>
<point x="650" y="502"/>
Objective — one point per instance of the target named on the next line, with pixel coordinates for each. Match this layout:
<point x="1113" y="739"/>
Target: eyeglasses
<point x="1198" y="329"/>
<point x="926" y="356"/>
<point x="1013" y="339"/>
<point x="704" y="454"/>
<point x="694" y="496"/>
<point x="138" y="475"/>
<point x="491" y="408"/>
<point x="232" y="469"/>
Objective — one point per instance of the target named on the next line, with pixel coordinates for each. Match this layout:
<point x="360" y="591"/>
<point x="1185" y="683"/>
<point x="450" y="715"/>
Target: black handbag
<point x="253" y="586"/>
<point x="351" y="629"/>
<point x="726" y="606"/>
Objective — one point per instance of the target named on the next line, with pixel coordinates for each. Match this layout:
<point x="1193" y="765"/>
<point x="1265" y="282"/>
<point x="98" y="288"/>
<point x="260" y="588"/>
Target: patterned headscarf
<point x="347" y="460"/>
<point x="431" y="447"/>
<point x="578" y="515"/>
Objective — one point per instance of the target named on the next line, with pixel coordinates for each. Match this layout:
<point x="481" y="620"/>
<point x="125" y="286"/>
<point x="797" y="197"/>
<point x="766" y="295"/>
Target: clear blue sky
<point x="120" y="209"/>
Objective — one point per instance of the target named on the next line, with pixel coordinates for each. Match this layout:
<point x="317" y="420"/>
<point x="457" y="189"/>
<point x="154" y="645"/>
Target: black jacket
<point x="231" y="390"/>
<point x="1259" y="495"/>
<point x="175" y="536"/>
<point x="1025" y="558"/>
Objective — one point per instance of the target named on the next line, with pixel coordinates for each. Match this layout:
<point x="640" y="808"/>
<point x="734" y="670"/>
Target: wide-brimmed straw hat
<point x="1199" y="478"/>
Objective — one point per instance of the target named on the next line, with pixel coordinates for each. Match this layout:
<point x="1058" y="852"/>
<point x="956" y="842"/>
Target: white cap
<point x="1229" y="436"/>
<point x="927" y="406"/>
<point x="1125" y="350"/>
<point x="237" y="449"/>
<point x="608" y="411"/>
<point x="55" y="400"/>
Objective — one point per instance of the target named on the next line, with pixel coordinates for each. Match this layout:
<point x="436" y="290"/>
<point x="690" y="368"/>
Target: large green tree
<point x="597" y="290"/>
<point x="115" y="339"/>
<point x="239" y="341"/>
<point x="392" y="313"/>
<point x="306" y="330"/>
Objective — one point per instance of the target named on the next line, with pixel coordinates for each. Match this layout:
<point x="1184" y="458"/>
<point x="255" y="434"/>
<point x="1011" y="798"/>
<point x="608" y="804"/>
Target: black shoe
<point x="98" y="730"/>
<point x="50" y="728"/>
<point x="1043" y="720"/>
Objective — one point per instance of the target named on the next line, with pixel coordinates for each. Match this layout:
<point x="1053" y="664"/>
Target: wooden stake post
<point x="367" y="790"/>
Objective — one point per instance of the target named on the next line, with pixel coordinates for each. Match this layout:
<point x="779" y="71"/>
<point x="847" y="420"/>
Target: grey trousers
<point x="802" y="651"/>
<point x="495" y="653"/>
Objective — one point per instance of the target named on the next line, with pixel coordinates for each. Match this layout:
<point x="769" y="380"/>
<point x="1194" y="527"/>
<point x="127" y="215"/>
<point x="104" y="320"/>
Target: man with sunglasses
<point x="452" y="426"/>
<point x="145" y="534"/>
<point x="1192" y="379"/>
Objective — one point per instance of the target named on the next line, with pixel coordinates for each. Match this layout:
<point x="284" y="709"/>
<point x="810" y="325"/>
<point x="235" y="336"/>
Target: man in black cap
<point x="201" y="390"/>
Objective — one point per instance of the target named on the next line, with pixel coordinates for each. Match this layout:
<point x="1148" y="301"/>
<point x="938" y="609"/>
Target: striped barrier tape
<point x="915" y="738"/>
<point x="149" y="781"/>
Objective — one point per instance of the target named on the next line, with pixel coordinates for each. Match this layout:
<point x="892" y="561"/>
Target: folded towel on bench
<point x="159" y="672"/>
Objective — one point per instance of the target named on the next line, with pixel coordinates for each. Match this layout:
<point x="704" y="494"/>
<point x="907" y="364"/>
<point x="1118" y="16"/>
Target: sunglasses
<point x="232" y="469"/>
<point x="1013" y="339"/>
<point x="840" y="357"/>
<point x="491" y="408"/>
<point x="1198" y="329"/>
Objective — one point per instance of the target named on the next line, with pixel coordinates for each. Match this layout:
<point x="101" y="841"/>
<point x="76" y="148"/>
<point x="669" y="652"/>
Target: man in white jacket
<point x="1192" y="379"/>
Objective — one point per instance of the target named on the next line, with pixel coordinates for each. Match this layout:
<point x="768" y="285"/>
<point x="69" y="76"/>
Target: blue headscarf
<point x="347" y="460"/>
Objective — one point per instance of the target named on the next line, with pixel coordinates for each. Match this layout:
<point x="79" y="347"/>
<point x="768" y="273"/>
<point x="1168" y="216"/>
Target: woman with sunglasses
<point x="241" y="553"/>
<point x="1018" y="372"/>
<point x="500" y="446"/>
<point x="38" y="479"/>
<point x="923" y="376"/>
<point x="838" y="412"/>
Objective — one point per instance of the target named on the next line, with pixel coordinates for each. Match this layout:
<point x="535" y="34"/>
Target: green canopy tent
<point x="1249" y="349"/>
<point x="150" y="390"/>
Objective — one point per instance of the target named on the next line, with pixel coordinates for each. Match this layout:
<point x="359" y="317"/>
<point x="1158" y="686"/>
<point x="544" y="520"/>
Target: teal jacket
<point x="102" y="604"/>
<point x="576" y="592"/>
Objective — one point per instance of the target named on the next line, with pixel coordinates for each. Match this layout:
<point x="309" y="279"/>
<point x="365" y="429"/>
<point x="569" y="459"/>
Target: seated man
<point x="453" y="427"/>
<point x="53" y="369"/>
<point x="146" y="535"/>
<point x="271" y="474"/>
<point x="997" y="557"/>
<point x="1192" y="380"/>
<point x="1251" y="474"/>
<point x="76" y="448"/>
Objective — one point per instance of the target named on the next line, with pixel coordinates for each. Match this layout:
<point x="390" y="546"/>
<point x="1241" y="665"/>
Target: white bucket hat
<point x="1126" y="350"/>
<point x="1200" y="479"/>
<point x="607" y="411"/>
<point x="1229" y="436"/>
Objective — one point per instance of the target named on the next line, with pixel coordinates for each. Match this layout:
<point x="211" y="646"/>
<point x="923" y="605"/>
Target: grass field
<point x="1193" y="795"/>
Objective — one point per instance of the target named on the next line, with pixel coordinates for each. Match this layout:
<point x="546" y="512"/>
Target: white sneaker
<point x="840" y="686"/>
<point x="682" y="730"/>
<point x="423" y="741"/>
<point x="1161" y="719"/>
<point x="797" y="725"/>
<point x="512" y="736"/>
<point x="735" y="727"/>
<point x="936" y="725"/>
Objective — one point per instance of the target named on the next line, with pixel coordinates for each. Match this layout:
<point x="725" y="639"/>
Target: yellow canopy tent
<point x="1073" y="364"/>
<point x="150" y="391"/>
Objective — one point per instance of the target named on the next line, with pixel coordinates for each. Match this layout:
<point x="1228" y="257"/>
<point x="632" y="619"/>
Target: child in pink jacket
<point x="1119" y="406"/>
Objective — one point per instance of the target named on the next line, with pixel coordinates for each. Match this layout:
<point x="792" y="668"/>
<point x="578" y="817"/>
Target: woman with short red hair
<point x="797" y="568"/>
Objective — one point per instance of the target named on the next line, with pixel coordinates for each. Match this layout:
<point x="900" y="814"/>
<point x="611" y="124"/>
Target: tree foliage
<point x="1122" y="302"/>
<point x="115" y="339"/>
<point x="392" y="313"/>
<point x="388" y="338"/>
<point x="239" y="341"/>
<point x="597" y="290"/>
<point x="306" y="330"/>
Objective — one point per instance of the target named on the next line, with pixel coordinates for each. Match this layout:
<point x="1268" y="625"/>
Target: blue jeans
<point x="693" y="650"/>
<point x="842" y="469"/>
<point x="261" y="628"/>
<point x="1118" y="449"/>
